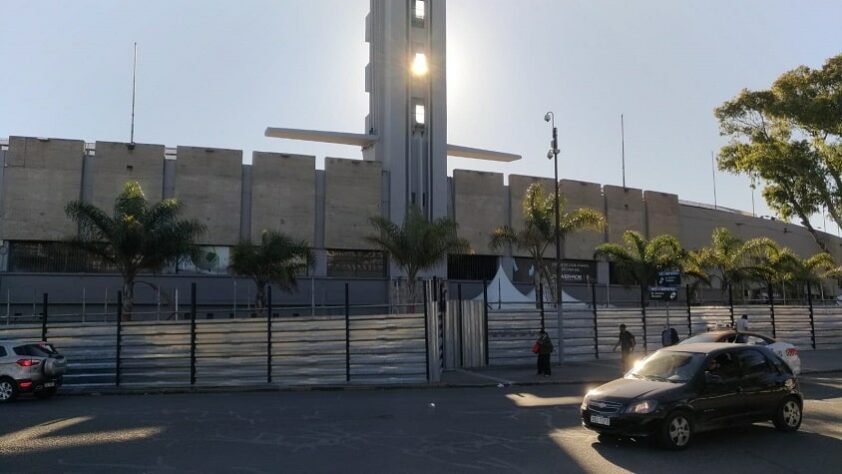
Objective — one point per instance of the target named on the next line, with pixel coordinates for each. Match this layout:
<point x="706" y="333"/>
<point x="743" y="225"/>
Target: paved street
<point x="512" y="429"/>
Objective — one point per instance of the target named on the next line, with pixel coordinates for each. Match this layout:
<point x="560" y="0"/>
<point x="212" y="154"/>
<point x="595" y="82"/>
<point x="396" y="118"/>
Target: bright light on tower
<point x="419" y="10"/>
<point x="419" y="65"/>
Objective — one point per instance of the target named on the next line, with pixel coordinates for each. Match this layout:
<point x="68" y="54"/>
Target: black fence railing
<point x="357" y="345"/>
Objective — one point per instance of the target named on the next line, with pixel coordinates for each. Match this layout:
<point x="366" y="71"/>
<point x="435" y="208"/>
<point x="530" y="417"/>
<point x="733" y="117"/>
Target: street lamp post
<point x="553" y="155"/>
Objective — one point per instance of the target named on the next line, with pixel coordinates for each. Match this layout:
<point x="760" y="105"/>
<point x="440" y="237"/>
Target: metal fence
<point x="271" y="348"/>
<point x="591" y="329"/>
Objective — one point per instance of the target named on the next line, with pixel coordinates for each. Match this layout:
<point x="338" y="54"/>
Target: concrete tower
<point x="406" y="126"/>
<point x="407" y="84"/>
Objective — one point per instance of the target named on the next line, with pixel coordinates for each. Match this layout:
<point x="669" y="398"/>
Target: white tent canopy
<point x="501" y="290"/>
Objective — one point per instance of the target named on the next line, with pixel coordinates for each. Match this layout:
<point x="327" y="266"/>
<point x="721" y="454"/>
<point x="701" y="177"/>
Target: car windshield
<point x="706" y="337"/>
<point x="668" y="366"/>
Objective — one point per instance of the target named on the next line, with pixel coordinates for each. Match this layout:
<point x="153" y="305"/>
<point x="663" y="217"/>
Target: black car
<point x="682" y="390"/>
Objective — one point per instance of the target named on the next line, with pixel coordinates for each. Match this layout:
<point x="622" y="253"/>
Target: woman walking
<point x="543" y="347"/>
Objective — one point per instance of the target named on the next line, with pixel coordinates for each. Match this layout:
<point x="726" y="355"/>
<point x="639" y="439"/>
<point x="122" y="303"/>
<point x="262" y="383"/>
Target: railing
<point x="272" y="348"/>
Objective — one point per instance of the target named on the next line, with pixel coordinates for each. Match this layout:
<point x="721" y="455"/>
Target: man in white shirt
<point x="742" y="327"/>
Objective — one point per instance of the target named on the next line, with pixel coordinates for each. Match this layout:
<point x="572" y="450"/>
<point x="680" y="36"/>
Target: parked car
<point x="682" y="390"/>
<point x="784" y="350"/>
<point x="30" y="367"/>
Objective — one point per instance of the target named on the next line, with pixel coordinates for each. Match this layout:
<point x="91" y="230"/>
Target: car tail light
<point x="25" y="384"/>
<point x="28" y="362"/>
<point x="791" y="352"/>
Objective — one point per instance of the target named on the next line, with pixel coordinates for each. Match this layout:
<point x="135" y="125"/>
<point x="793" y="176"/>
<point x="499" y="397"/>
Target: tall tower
<point x="406" y="126"/>
<point x="406" y="79"/>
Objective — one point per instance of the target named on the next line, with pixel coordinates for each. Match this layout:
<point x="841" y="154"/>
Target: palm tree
<point x="729" y="259"/>
<point x="137" y="237"/>
<point x="417" y="244"/>
<point x="812" y="270"/>
<point x="277" y="259"/>
<point x="639" y="260"/>
<point x="538" y="232"/>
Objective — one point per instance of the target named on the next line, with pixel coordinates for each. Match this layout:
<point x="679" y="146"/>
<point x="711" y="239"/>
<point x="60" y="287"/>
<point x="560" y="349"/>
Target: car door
<point x="761" y="383"/>
<point x="5" y="369"/>
<point x="719" y="399"/>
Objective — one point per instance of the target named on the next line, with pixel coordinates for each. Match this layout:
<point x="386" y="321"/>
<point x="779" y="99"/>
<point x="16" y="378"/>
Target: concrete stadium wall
<point x="352" y="195"/>
<point x="662" y="215"/>
<point x="480" y="207"/>
<point x="116" y="163"/>
<point x="517" y="191"/>
<point x="41" y="176"/>
<point x="580" y="194"/>
<point x="283" y="195"/>
<point x="624" y="210"/>
<point x="208" y="183"/>
<point x="329" y="208"/>
<point x="698" y="223"/>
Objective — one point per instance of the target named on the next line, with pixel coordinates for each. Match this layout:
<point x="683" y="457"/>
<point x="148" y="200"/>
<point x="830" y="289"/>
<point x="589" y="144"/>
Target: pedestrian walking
<point x="626" y="342"/>
<point x="742" y="328"/>
<point x="543" y="347"/>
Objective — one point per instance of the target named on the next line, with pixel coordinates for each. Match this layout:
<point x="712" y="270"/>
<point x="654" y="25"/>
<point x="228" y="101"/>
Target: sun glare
<point x="419" y="65"/>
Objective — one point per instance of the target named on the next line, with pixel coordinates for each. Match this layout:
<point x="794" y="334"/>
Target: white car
<point x="784" y="350"/>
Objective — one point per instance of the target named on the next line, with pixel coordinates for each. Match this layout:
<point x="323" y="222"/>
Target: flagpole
<point x="134" y="88"/>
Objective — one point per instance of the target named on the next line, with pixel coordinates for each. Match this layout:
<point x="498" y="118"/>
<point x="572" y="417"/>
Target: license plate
<point x="49" y="384"/>
<point x="600" y="420"/>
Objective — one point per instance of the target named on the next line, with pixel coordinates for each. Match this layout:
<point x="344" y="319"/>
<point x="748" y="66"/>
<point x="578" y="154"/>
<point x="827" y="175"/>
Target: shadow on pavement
<point x="752" y="448"/>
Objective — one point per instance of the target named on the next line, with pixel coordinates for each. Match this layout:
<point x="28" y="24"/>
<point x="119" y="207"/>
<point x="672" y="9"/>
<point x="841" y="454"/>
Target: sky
<point x="217" y="73"/>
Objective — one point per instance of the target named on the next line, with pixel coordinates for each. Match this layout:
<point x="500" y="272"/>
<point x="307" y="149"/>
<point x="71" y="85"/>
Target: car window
<point x="756" y="340"/>
<point x="2" y="351"/>
<point x="753" y="362"/>
<point x="724" y="366"/>
<point x="706" y="337"/>
<point x="669" y="366"/>
<point x="35" y="350"/>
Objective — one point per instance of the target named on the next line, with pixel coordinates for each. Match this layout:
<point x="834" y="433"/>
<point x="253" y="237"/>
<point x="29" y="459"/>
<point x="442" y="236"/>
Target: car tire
<point x="789" y="414"/>
<point x="8" y="390"/>
<point x="46" y="393"/>
<point x="676" y="430"/>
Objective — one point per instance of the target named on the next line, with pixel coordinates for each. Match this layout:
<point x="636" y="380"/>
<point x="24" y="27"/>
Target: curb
<point x="110" y="391"/>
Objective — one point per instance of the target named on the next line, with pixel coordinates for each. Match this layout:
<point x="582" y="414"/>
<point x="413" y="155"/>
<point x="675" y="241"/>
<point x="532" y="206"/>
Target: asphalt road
<point x="514" y="429"/>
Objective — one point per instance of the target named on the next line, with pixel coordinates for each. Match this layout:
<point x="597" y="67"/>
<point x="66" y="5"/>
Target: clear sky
<point x="216" y="73"/>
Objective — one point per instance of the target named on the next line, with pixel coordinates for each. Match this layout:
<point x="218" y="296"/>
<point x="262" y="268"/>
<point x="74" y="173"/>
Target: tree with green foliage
<point x="729" y="259"/>
<point x="136" y="237"/>
<point x="539" y="230"/>
<point x="639" y="261"/>
<point x="278" y="259"/>
<point x="790" y="136"/>
<point x="813" y="270"/>
<point x="418" y="244"/>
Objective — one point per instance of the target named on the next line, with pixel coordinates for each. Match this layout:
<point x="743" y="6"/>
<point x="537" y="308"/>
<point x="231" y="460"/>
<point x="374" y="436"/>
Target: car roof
<point x="706" y="347"/>
<point x="733" y="331"/>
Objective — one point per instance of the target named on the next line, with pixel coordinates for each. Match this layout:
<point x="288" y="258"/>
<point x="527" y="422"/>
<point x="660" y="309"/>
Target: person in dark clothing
<point x="626" y="342"/>
<point x="545" y="347"/>
<point x="669" y="336"/>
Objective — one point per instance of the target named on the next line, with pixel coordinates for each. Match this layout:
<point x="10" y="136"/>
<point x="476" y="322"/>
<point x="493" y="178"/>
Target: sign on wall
<point x="572" y="271"/>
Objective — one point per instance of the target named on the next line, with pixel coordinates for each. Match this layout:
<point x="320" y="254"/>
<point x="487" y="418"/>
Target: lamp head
<point x="550" y="155"/>
<point x="548" y="116"/>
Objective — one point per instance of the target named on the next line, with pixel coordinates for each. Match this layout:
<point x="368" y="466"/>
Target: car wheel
<point x="8" y="390"/>
<point x="676" y="431"/>
<point x="45" y="393"/>
<point x="788" y="417"/>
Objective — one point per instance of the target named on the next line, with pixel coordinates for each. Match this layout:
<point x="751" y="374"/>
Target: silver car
<point x="29" y="367"/>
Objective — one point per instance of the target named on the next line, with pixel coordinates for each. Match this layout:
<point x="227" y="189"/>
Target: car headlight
<point x="587" y="398"/>
<point x="643" y="407"/>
